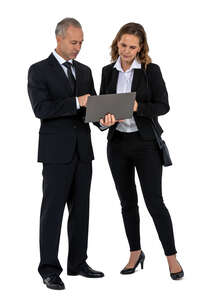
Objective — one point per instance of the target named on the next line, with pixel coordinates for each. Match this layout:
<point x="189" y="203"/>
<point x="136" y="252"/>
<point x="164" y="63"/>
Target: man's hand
<point x="109" y="120"/>
<point x="135" y="105"/>
<point x="83" y="100"/>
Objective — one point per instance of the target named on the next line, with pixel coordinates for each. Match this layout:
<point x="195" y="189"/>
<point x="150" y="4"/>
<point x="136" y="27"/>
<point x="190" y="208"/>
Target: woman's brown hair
<point x="137" y="30"/>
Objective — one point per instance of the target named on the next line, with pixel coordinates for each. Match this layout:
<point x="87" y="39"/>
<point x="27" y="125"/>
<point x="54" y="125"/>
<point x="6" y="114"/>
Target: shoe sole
<point x="76" y="274"/>
<point x="55" y="288"/>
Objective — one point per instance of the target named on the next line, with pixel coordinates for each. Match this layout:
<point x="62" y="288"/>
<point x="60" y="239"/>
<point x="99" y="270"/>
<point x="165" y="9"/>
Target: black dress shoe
<point x="178" y="275"/>
<point x="54" y="282"/>
<point x="140" y="260"/>
<point x="86" y="271"/>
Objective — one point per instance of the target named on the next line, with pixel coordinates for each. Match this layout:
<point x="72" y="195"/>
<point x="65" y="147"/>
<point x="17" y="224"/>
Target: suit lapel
<point x="78" y="76"/>
<point x="113" y="81"/>
<point x="60" y="72"/>
<point x="138" y="79"/>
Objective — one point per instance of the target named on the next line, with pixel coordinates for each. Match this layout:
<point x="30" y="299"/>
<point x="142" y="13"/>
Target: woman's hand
<point x="135" y="105"/>
<point x="109" y="120"/>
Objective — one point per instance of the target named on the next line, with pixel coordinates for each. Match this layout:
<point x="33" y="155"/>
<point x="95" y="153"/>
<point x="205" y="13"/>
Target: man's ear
<point x="58" y="38"/>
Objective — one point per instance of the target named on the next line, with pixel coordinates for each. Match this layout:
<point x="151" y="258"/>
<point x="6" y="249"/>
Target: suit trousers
<point x="127" y="152"/>
<point x="69" y="184"/>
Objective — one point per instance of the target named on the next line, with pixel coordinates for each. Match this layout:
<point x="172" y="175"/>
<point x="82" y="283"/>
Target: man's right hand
<point x="109" y="120"/>
<point x="83" y="100"/>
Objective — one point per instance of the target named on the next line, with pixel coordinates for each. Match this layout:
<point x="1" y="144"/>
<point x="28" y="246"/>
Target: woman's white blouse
<point x="124" y="86"/>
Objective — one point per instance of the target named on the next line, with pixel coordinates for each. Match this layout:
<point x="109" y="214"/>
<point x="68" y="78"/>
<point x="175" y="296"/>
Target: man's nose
<point x="77" y="47"/>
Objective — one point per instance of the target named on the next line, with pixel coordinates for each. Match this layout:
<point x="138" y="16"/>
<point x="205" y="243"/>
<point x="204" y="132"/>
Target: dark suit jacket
<point x="151" y="95"/>
<point x="62" y="125"/>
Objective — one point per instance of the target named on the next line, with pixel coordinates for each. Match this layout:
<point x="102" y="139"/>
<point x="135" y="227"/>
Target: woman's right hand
<point x="109" y="120"/>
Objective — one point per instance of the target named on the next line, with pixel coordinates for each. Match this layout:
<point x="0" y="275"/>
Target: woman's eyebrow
<point x="129" y="46"/>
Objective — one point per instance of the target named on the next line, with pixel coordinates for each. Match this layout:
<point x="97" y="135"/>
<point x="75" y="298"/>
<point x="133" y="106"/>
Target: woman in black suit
<point x="132" y="144"/>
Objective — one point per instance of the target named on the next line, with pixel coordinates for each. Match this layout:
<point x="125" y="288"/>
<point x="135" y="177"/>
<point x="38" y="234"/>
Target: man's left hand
<point x="135" y="105"/>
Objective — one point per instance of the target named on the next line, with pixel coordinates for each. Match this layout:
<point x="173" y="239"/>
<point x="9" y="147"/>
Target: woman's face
<point x="128" y="47"/>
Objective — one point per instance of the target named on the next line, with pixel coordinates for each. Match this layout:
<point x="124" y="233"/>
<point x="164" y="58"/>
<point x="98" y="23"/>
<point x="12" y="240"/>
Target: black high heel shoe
<point x="178" y="275"/>
<point x="139" y="261"/>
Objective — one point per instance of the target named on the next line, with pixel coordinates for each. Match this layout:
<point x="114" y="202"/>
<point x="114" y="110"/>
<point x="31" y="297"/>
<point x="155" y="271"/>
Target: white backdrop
<point x="177" y="37"/>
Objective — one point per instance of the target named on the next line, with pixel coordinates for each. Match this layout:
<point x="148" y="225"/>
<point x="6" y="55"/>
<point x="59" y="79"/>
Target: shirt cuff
<point x="77" y="103"/>
<point x="103" y="126"/>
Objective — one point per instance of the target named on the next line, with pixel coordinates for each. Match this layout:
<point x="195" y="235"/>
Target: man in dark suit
<point x="58" y="89"/>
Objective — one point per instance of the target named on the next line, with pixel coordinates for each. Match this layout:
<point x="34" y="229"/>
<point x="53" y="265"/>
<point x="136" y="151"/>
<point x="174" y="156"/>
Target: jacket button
<point x="74" y="126"/>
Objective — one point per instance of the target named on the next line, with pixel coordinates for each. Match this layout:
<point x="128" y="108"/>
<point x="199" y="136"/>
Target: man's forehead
<point x="75" y="34"/>
<point x="75" y="30"/>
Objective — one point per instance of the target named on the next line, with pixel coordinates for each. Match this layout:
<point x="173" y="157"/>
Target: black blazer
<point x="62" y="125"/>
<point x="151" y="95"/>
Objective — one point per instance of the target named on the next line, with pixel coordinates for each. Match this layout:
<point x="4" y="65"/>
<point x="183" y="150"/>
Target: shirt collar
<point x="60" y="59"/>
<point x="134" y="65"/>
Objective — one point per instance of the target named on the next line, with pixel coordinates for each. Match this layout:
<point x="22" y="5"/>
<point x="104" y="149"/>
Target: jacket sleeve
<point x="92" y="92"/>
<point x="159" y="103"/>
<point x="102" y="85"/>
<point x="102" y="91"/>
<point x="43" y="105"/>
<point x="92" y="87"/>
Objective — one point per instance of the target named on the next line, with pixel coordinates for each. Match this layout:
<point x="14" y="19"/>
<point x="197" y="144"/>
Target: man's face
<point x="69" y="45"/>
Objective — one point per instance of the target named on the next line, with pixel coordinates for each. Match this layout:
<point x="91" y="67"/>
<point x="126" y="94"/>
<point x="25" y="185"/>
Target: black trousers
<point x="64" y="184"/>
<point x="127" y="151"/>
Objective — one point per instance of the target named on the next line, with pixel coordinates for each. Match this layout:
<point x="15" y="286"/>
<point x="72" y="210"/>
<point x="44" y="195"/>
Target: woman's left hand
<point x="135" y="105"/>
<point x="109" y="120"/>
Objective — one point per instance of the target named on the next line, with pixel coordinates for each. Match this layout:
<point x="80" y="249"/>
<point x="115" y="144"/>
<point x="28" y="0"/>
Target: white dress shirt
<point x="124" y="86"/>
<point x="61" y="60"/>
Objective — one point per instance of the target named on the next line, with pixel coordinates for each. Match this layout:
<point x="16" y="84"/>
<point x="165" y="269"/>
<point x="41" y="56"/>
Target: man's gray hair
<point x="62" y="26"/>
